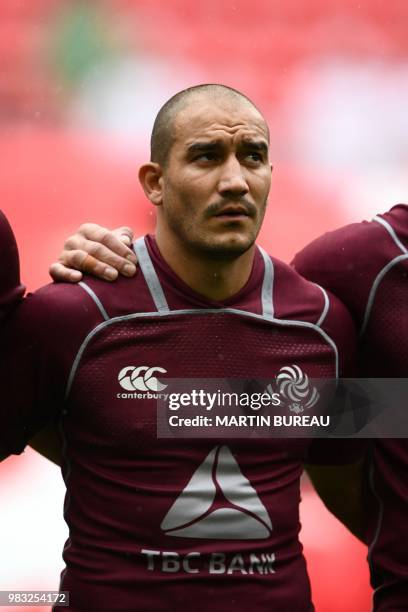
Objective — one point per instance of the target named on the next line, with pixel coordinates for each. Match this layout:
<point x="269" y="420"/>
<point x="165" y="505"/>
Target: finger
<point x="110" y="239"/>
<point x="61" y="273"/>
<point x="74" y="242"/>
<point x="82" y="260"/>
<point x="119" y="241"/>
<point x="104" y="255"/>
<point x="125" y="234"/>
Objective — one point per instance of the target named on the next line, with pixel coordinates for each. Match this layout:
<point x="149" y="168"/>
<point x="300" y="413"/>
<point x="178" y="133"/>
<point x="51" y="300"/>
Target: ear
<point x="150" y="177"/>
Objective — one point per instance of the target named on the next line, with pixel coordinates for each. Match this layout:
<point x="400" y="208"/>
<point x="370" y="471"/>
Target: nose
<point x="232" y="181"/>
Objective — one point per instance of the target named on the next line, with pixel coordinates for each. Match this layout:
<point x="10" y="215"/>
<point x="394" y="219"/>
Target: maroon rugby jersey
<point x="366" y="265"/>
<point x="11" y="290"/>
<point x="170" y="524"/>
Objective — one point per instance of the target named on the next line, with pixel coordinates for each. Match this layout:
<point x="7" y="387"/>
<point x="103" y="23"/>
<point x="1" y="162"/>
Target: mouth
<point x="232" y="212"/>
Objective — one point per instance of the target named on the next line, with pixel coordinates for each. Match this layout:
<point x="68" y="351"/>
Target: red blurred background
<point x="80" y="85"/>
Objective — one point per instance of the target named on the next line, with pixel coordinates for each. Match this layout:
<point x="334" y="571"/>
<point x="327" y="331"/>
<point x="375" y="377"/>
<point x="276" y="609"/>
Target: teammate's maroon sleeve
<point x="11" y="290"/>
<point x="170" y="524"/>
<point x="366" y="265"/>
<point x="41" y="335"/>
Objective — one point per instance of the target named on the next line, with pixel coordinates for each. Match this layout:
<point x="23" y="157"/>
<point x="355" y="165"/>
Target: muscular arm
<point x="48" y="443"/>
<point x="340" y="488"/>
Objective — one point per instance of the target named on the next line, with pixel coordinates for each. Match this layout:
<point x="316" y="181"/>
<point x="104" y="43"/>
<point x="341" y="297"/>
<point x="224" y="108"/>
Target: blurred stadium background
<point x="80" y="84"/>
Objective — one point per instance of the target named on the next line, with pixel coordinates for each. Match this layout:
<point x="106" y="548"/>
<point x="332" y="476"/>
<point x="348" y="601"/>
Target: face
<point x="216" y="183"/>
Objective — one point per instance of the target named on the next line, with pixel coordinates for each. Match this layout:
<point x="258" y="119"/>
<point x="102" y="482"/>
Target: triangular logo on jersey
<point x="239" y="513"/>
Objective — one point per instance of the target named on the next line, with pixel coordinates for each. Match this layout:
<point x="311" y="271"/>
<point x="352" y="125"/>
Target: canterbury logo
<point x="218" y="503"/>
<point x="141" y="378"/>
<point x="294" y="385"/>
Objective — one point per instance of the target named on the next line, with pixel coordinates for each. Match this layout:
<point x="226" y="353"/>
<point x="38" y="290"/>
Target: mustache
<point x="216" y="207"/>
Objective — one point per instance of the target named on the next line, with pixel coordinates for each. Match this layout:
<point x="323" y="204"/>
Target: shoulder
<point x="52" y="322"/>
<point x="6" y="233"/>
<point x="87" y="303"/>
<point x="348" y="260"/>
<point x="44" y="333"/>
<point x="347" y="250"/>
<point x="395" y="222"/>
<point x="298" y="299"/>
<point x="58" y="303"/>
<point x="11" y="290"/>
<point x="122" y="297"/>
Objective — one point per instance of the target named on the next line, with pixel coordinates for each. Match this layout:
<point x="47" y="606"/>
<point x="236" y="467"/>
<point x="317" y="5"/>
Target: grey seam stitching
<point x="150" y="275"/>
<point x="267" y="285"/>
<point x="325" y="307"/>
<point x="95" y="298"/>
<point x="374" y="289"/>
<point x="392" y="232"/>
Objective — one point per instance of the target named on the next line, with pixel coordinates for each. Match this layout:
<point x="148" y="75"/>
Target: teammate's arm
<point x="335" y="465"/>
<point x="340" y="487"/>
<point x="31" y="380"/>
<point x="11" y="289"/>
<point x="48" y="443"/>
<point x="98" y="251"/>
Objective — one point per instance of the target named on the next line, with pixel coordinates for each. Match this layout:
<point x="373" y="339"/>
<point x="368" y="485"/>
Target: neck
<point x="216" y="279"/>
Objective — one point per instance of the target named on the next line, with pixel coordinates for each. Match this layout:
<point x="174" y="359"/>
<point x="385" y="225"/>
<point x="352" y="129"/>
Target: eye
<point x="254" y="157"/>
<point x="206" y="157"/>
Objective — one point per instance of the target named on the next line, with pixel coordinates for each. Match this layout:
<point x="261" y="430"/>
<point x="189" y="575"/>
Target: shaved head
<point x="163" y="133"/>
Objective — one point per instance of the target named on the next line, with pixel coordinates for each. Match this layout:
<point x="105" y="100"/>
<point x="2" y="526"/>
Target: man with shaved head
<point x="176" y="523"/>
<point x="165" y="126"/>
